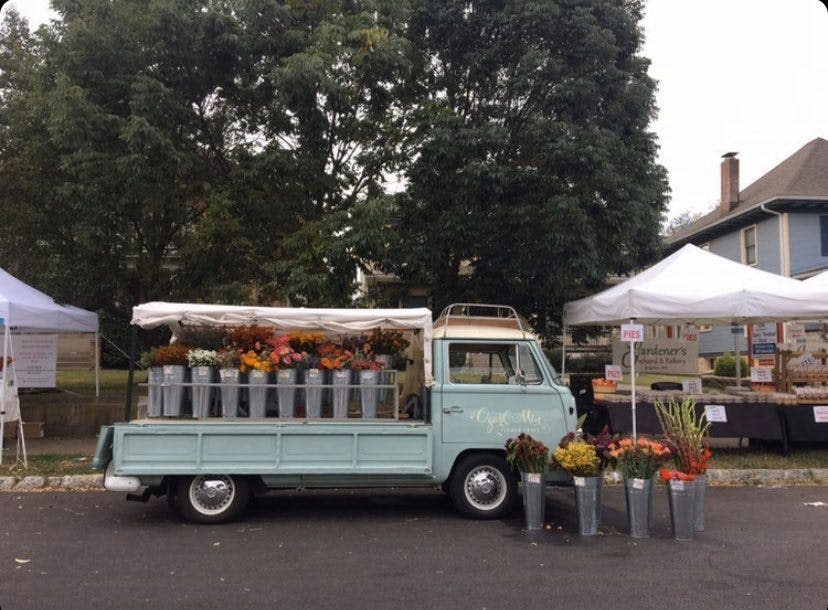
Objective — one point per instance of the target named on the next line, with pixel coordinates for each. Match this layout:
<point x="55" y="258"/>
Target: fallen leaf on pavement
<point x="23" y="561"/>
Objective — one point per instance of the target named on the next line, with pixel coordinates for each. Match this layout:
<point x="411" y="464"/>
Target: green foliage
<point x="725" y="366"/>
<point x="259" y="151"/>
<point x="535" y="176"/>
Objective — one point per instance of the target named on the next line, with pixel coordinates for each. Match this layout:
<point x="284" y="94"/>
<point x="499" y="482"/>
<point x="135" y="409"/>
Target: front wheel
<point x="212" y="498"/>
<point x="483" y="486"/>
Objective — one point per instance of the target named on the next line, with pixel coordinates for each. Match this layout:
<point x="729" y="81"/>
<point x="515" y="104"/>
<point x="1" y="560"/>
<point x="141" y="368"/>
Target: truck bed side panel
<point x="273" y="449"/>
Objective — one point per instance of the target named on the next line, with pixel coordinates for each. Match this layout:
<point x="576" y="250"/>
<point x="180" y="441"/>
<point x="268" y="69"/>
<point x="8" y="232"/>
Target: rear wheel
<point x="212" y="498"/>
<point x="483" y="486"/>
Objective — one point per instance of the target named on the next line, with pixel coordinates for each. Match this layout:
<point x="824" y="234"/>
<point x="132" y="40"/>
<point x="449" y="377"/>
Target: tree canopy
<point x="263" y="150"/>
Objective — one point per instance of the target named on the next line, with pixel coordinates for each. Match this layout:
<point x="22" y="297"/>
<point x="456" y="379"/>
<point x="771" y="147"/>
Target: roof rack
<point x="489" y="312"/>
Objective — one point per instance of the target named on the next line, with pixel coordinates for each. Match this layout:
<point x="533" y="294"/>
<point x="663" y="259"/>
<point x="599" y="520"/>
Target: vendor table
<point x="802" y="425"/>
<point x="746" y="420"/>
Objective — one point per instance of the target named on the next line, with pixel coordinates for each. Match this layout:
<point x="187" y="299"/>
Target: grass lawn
<point x="812" y="456"/>
<point x="113" y="382"/>
<point x="47" y="465"/>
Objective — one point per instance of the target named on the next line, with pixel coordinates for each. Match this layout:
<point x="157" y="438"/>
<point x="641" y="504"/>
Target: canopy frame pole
<point x="3" y="389"/>
<point x="632" y="385"/>
<point x="737" y="350"/>
<point x="97" y="366"/>
<point x="133" y="343"/>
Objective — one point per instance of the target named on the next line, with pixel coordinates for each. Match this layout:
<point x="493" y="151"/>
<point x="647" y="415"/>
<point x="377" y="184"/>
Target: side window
<point x="481" y="363"/>
<point x="531" y="371"/>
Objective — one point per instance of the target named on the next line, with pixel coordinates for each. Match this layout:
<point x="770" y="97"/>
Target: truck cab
<point x="480" y="378"/>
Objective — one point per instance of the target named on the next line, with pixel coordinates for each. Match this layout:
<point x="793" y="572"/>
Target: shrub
<point x="726" y="366"/>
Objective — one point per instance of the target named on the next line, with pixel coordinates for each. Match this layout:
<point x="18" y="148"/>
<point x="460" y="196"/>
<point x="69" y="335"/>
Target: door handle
<point x="454" y="409"/>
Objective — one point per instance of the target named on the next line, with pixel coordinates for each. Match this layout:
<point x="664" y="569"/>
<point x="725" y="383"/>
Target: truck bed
<point x="316" y="450"/>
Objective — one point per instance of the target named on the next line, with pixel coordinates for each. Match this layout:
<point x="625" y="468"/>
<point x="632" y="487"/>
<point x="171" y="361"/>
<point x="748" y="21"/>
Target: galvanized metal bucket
<point x="287" y="395"/>
<point x="369" y="396"/>
<point x="682" y="496"/>
<point x="174" y="374"/>
<point x="639" y="500"/>
<point x="341" y="395"/>
<point x="698" y="509"/>
<point x="386" y="360"/>
<point x="533" y="486"/>
<point x="588" y="503"/>
<point x="229" y="378"/>
<point x="202" y="394"/>
<point x="257" y="396"/>
<point x="155" y="394"/>
<point x="314" y="379"/>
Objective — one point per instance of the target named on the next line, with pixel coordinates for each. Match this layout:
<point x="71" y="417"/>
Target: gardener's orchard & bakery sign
<point x="659" y="356"/>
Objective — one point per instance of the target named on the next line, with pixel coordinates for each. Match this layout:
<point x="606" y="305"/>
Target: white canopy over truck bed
<point x="289" y="319"/>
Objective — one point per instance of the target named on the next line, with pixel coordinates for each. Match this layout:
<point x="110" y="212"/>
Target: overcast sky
<point x="734" y="75"/>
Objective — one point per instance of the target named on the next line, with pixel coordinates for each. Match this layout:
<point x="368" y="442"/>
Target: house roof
<point x="803" y="175"/>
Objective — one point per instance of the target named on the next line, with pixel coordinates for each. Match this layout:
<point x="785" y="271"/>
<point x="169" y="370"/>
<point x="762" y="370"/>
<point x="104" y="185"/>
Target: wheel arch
<point x="466" y="453"/>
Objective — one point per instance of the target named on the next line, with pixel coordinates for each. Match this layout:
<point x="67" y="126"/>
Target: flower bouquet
<point x="638" y="461"/>
<point x="689" y="436"/>
<point x="530" y="457"/>
<point x="287" y="359"/>
<point x="368" y="370"/>
<point x="258" y="366"/>
<point x="229" y="361"/>
<point x="203" y="365"/>
<point x="173" y="359"/>
<point x="335" y="358"/>
<point x="388" y="346"/>
<point x="580" y="459"/>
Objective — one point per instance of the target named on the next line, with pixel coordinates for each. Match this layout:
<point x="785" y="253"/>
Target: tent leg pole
<point x="97" y="366"/>
<point x="3" y="389"/>
<point x="738" y="358"/>
<point x="563" y="351"/>
<point x="133" y="342"/>
<point x="632" y="386"/>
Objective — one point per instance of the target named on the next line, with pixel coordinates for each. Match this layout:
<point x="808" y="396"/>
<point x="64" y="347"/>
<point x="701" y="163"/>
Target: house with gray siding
<point x="778" y="224"/>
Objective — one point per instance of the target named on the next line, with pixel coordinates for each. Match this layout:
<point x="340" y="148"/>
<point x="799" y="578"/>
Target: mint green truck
<point x="483" y="379"/>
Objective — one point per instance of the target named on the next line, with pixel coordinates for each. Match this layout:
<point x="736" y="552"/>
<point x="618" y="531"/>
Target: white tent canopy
<point x="288" y="319"/>
<point x="820" y="279"/>
<point x="26" y="308"/>
<point x="693" y="285"/>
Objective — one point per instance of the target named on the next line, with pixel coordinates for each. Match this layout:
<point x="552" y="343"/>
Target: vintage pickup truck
<point x="484" y="379"/>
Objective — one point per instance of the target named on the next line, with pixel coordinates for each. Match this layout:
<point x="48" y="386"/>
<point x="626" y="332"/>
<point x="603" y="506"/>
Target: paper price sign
<point x="533" y="477"/>
<point x="715" y="413"/>
<point x="761" y="374"/>
<point x="821" y="415"/>
<point x="632" y="332"/>
<point x="612" y="372"/>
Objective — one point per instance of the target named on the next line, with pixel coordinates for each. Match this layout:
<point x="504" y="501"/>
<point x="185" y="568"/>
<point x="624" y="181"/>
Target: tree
<point x="680" y="221"/>
<point x="535" y="175"/>
<point x="245" y="150"/>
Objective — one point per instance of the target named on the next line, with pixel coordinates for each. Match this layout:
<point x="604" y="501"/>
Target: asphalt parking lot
<point x="763" y="548"/>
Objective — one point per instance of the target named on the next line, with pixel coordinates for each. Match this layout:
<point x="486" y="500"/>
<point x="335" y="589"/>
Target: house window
<point x="749" y="245"/>
<point x="823" y="234"/>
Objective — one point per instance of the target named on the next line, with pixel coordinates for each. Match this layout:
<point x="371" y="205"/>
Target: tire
<point x="483" y="486"/>
<point x="212" y="498"/>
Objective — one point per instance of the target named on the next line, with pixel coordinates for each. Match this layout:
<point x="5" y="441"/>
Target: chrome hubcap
<point x="211" y="495"/>
<point x="485" y="488"/>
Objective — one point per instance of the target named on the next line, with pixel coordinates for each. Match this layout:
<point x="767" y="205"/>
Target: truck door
<point x="495" y="390"/>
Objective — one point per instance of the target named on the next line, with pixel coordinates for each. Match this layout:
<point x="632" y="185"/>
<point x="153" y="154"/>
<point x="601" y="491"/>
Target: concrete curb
<point x="715" y="478"/>
<point x="69" y="482"/>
